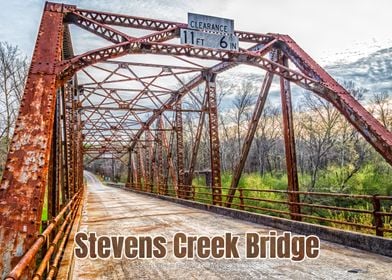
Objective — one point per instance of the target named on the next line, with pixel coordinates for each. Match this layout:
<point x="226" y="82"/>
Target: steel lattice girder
<point x="26" y="174"/>
<point x="314" y="77"/>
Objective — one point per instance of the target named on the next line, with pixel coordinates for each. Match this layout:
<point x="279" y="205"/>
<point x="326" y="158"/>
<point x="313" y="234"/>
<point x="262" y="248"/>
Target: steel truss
<point x="62" y="121"/>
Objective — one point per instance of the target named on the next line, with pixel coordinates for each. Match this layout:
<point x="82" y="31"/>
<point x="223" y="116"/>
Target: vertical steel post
<point x="113" y="175"/>
<point x="289" y="140"/>
<point x="139" y="172"/>
<point x="129" y="170"/>
<point x="25" y="176"/>
<point x="147" y="163"/>
<point x="167" y="145"/>
<point x="78" y="135"/>
<point x="135" y="175"/>
<point x="142" y="174"/>
<point x="64" y="143"/>
<point x="134" y="171"/>
<point x="70" y="135"/>
<point x="377" y="218"/>
<point x="183" y="191"/>
<point x="157" y="185"/>
<point x="196" y="145"/>
<point x="214" y="138"/>
<point x="61" y="194"/>
<point x="151" y="156"/>
<point x="53" y="183"/>
<point x="51" y="176"/>
<point x="161" y="183"/>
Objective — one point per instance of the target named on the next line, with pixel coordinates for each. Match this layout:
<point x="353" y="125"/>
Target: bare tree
<point x="13" y="73"/>
<point x="267" y="136"/>
<point x="351" y="149"/>
<point x="317" y="132"/>
<point x="242" y="102"/>
<point x="382" y="108"/>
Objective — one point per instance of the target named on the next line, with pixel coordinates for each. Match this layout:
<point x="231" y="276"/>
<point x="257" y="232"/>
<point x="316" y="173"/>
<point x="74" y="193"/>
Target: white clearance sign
<point x="209" y="23"/>
<point x="210" y="32"/>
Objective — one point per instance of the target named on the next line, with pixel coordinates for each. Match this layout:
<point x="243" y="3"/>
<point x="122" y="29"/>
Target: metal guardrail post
<point x="377" y="218"/>
<point x="241" y="199"/>
<point x="193" y="192"/>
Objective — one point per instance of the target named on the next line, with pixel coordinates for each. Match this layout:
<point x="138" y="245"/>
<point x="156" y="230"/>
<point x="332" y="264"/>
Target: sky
<point x="328" y="30"/>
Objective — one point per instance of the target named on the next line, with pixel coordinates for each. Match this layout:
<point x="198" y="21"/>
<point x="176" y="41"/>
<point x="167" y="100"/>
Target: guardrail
<point x="370" y="214"/>
<point x="60" y="227"/>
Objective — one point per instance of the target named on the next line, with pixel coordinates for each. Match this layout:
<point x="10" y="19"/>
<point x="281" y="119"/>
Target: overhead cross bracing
<point x="124" y="94"/>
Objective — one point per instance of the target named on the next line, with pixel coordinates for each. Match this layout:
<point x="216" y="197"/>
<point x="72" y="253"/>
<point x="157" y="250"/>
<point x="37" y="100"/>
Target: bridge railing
<point x="371" y="214"/>
<point x="48" y="247"/>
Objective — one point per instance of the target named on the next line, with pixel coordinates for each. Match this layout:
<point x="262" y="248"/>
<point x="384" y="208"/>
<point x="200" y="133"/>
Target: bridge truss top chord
<point x="126" y="99"/>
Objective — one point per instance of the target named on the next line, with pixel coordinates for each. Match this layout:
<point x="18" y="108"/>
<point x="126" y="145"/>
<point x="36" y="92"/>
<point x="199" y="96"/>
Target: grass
<point x="369" y="180"/>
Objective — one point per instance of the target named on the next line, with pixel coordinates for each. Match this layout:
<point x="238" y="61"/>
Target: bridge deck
<point x="112" y="211"/>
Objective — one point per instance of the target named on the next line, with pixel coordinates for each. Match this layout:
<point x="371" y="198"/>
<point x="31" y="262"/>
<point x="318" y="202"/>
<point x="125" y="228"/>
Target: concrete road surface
<point x="112" y="211"/>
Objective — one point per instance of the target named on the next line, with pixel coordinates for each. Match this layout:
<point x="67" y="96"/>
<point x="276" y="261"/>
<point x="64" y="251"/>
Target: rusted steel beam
<point x="159" y="25"/>
<point x="252" y="127"/>
<point x="289" y="141"/>
<point x="155" y="167"/>
<point x="113" y="171"/>
<point x="97" y="28"/>
<point x="64" y="145"/>
<point x="139" y="171"/>
<point x="51" y="177"/>
<point x="220" y="67"/>
<point x="59" y="8"/>
<point x="133" y="171"/>
<point x="79" y="142"/>
<point x="128" y="21"/>
<point x="154" y="65"/>
<point x="214" y="138"/>
<point x="25" y="176"/>
<point x="67" y="51"/>
<point x="196" y="144"/>
<point x="72" y="137"/>
<point x="170" y="165"/>
<point x="170" y="169"/>
<point x="177" y="96"/>
<point x="60" y="237"/>
<point x="370" y="128"/>
<point x="147" y="164"/>
<point x="314" y="78"/>
<point x="182" y="189"/>
<point x="129" y="170"/>
<point x="160" y="176"/>
<point x="68" y="68"/>
<point x="142" y="171"/>
<point x="130" y="178"/>
<point x="63" y="151"/>
<point x="135" y="174"/>
<point x="53" y="174"/>
<point x="61" y="195"/>
<point x="151" y="156"/>
<point x="25" y="262"/>
<point x="144" y="110"/>
<point x="54" y="266"/>
<point x="198" y="80"/>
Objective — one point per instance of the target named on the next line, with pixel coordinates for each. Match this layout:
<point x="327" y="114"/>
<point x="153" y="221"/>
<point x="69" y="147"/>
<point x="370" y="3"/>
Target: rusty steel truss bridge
<point x="126" y="100"/>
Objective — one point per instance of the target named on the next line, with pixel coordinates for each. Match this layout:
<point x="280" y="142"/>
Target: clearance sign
<point x="209" y="32"/>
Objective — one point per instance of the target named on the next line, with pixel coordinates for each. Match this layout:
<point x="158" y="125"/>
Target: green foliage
<point x="371" y="179"/>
